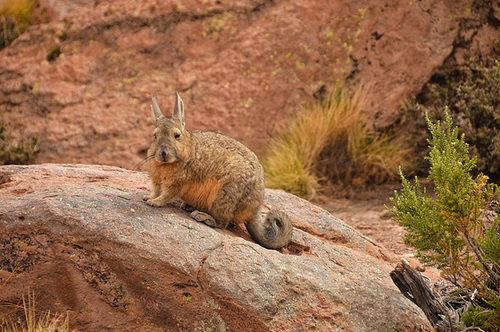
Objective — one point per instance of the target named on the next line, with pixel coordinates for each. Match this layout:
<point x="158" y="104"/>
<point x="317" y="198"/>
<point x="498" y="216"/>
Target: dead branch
<point x="414" y="287"/>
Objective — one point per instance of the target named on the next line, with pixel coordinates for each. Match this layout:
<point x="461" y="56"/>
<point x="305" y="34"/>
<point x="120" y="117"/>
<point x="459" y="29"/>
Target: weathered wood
<point x="413" y="286"/>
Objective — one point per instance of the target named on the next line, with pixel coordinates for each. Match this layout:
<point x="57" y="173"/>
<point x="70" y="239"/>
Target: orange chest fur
<point x="163" y="174"/>
<point x="199" y="194"/>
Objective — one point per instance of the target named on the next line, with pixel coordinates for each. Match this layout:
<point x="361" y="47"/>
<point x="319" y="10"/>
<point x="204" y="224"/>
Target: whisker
<point x="187" y="164"/>
<point x="142" y="162"/>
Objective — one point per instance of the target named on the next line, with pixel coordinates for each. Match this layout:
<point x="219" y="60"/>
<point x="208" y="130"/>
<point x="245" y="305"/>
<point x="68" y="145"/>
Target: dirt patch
<point x="96" y="291"/>
<point x="64" y="278"/>
<point x="366" y="212"/>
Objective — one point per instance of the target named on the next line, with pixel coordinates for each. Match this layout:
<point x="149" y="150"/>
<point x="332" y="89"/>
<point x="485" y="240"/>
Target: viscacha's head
<point x="170" y="134"/>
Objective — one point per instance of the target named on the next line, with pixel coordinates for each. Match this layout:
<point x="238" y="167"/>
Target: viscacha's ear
<point x="156" y="109"/>
<point x="179" y="110"/>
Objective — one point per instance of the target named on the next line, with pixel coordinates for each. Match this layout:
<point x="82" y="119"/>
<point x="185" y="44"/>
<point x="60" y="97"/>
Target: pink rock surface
<point x="82" y="239"/>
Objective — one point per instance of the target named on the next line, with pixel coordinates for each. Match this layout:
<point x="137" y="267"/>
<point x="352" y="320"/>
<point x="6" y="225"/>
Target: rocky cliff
<point x="82" y="76"/>
<point x="81" y="238"/>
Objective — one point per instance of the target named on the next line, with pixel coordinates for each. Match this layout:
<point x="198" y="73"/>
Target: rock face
<point x="81" y="78"/>
<point x="82" y="239"/>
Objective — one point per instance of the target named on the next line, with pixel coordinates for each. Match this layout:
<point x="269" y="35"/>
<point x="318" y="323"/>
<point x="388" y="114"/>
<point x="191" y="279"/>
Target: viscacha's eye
<point x="177" y="136"/>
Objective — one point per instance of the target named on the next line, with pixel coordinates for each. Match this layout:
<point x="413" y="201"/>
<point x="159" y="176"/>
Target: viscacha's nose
<point x="163" y="155"/>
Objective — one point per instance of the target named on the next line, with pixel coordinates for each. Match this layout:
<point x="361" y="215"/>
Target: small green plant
<point x="16" y="153"/>
<point x="54" y="53"/>
<point x="486" y="319"/>
<point x="330" y="141"/>
<point x="14" y="19"/>
<point x="452" y="230"/>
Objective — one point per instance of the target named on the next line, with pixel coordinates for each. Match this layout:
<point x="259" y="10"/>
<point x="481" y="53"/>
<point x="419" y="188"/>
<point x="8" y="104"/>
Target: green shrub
<point x="452" y="230"/>
<point x="330" y="141"/>
<point x="14" y="19"/>
<point x="16" y="153"/>
<point x="472" y="93"/>
<point x="486" y="319"/>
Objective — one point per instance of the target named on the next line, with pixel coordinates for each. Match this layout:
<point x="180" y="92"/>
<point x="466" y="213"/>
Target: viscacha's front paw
<point x="147" y="197"/>
<point x="156" y="202"/>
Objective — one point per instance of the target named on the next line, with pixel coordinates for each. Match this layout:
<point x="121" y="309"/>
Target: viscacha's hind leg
<point x="208" y="219"/>
<point x="222" y="210"/>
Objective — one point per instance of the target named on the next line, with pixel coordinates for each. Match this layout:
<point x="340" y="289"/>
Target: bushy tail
<point x="274" y="233"/>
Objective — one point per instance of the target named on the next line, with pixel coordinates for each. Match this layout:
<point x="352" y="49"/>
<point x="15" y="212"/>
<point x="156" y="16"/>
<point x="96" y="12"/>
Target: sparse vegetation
<point x="331" y="142"/>
<point x="33" y="320"/>
<point x="36" y="322"/>
<point x="472" y="93"/>
<point x="16" y="153"/>
<point x="14" y="19"/>
<point x="459" y="230"/>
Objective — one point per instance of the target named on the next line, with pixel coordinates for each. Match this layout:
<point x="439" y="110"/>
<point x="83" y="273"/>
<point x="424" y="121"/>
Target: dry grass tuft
<point x="36" y="322"/>
<point x="331" y="142"/>
<point x="14" y="19"/>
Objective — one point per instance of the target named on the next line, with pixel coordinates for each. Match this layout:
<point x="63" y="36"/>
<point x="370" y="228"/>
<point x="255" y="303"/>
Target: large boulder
<point x="81" y="238"/>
